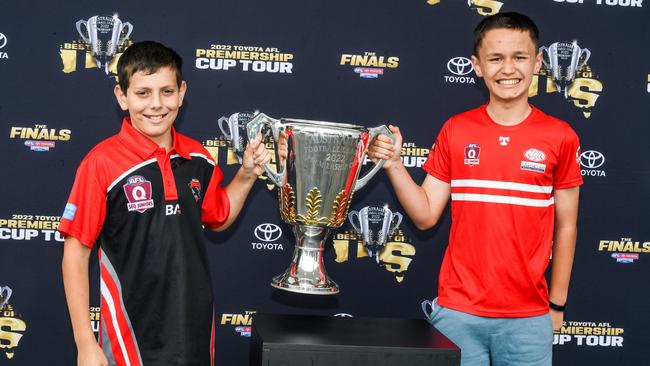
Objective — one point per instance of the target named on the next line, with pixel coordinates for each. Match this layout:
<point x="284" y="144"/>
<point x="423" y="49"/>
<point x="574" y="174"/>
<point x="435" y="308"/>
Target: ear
<point x="538" y="61"/>
<point x="477" y="66"/>
<point x="121" y="97"/>
<point x="181" y="92"/>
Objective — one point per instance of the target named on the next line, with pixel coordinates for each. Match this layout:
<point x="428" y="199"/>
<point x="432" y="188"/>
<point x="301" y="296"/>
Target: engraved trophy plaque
<point x="564" y="59"/>
<point x="375" y="224"/>
<point x="318" y="165"/>
<point x="104" y="34"/>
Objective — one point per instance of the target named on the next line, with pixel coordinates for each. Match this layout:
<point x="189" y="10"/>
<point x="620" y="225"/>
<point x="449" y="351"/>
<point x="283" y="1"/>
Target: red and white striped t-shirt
<point x="502" y="182"/>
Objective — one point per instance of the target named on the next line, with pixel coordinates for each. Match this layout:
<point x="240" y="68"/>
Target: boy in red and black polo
<point x="143" y="196"/>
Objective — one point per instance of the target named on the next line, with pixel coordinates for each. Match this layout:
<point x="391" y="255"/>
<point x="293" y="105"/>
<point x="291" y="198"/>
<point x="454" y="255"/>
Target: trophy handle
<point x="544" y="51"/>
<point x="587" y="54"/>
<point x="4" y="299"/>
<point x="223" y="129"/>
<point x="85" y="37"/>
<point x="255" y="126"/>
<point x="374" y="132"/>
<point x="392" y="227"/>
<point x="351" y="216"/>
<point x="128" y="33"/>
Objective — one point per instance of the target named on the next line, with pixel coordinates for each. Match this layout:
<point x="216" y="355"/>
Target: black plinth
<point x="300" y="340"/>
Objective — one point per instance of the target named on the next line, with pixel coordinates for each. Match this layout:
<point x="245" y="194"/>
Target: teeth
<point x="509" y="82"/>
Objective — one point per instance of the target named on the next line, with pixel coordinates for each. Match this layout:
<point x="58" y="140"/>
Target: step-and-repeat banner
<point x="362" y="62"/>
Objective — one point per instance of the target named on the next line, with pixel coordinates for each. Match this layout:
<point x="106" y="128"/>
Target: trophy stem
<point x="306" y="273"/>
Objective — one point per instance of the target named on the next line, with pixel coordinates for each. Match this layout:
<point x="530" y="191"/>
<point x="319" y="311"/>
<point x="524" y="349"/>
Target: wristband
<point x="556" y="306"/>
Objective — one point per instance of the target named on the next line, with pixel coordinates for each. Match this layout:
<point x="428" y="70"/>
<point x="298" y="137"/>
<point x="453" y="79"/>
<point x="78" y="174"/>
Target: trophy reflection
<point x="564" y="60"/>
<point x="375" y="225"/>
<point x="318" y="165"/>
<point x="103" y="35"/>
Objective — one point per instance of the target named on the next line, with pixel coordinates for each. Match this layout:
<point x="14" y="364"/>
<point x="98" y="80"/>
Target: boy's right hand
<point x="382" y="147"/>
<point x="91" y="355"/>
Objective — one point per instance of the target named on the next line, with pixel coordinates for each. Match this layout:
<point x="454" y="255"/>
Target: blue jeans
<point x="495" y="341"/>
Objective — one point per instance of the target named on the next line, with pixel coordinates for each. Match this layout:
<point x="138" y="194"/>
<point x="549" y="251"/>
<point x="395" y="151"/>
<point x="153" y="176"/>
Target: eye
<point x="169" y="91"/>
<point x="141" y="93"/>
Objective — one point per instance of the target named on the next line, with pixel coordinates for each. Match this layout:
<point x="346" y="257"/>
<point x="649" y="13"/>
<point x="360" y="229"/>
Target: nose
<point x="156" y="101"/>
<point x="508" y="66"/>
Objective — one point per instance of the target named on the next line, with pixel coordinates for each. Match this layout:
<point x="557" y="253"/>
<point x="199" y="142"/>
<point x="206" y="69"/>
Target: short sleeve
<point x="85" y="210"/>
<point x="438" y="161"/>
<point x="567" y="172"/>
<point x="216" y="205"/>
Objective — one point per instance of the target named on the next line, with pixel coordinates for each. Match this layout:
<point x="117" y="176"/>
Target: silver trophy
<point x="564" y="59"/>
<point x="104" y="34"/>
<point x="318" y="165"/>
<point x="234" y="129"/>
<point x="375" y="224"/>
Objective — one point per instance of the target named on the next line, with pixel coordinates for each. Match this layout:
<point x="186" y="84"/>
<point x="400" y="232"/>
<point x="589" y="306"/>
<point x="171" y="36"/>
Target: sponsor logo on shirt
<point x="535" y="155"/>
<point x="533" y="167"/>
<point x="138" y="193"/>
<point x="472" y="152"/>
<point x="70" y="211"/>
<point x="504" y="140"/>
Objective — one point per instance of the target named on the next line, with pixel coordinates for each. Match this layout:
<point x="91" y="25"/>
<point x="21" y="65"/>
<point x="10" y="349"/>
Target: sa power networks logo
<point x="369" y="65"/>
<point x="241" y="323"/>
<point x="138" y="192"/>
<point x="396" y="257"/>
<point x="565" y="71"/>
<point x="460" y="69"/>
<point x="226" y="57"/>
<point x="102" y="40"/>
<point x="623" y="3"/>
<point x="591" y="162"/>
<point x="12" y="325"/>
<point x="267" y="235"/>
<point x="625" y="250"/>
<point x="3" y="43"/>
<point x="39" y="137"/>
<point x="590" y="334"/>
<point x="483" y="7"/>
<point x="21" y="227"/>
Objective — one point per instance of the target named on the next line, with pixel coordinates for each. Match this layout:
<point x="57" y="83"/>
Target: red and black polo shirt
<point x="145" y="208"/>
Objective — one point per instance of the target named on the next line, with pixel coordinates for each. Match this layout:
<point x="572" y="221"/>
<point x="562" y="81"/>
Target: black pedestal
<point x="300" y="340"/>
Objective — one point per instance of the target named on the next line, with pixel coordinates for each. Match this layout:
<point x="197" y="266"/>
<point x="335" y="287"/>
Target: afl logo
<point x="268" y="232"/>
<point x="534" y="155"/>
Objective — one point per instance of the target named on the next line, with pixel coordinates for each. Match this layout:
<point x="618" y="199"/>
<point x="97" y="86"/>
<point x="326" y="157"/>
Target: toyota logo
<point x="268" y="232"/>
<point x="592" y="159"/>
<point x="460" y="66"/>
<point x="3" y="40"/>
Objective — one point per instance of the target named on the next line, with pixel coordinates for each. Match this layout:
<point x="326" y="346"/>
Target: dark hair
<point x="149" y="57"/>
<point x="507" y="20"/>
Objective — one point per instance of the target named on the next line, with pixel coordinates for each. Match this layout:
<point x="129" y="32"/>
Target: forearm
<point x="413" y="197"/>
<point x="75" y="281"/>
<point x="562" y="263"/>
<point x="237" y="192"/>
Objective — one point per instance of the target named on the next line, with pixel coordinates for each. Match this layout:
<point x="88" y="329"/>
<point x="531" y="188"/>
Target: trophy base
<point x="303" y="286"/>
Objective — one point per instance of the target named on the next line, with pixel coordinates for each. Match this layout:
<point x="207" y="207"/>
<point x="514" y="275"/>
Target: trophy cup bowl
<point x="104" y="34"/>
<point x="564" y="60"/>
<point x="318" y="165"/>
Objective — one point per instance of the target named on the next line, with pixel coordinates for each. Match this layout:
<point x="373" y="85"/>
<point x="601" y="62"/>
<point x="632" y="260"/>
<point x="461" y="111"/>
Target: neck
<point x="165" y="141"/>
<point x="508" y="114"/>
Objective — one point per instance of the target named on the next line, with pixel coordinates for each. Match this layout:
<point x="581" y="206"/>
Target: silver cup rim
<point x="314" y="123"/>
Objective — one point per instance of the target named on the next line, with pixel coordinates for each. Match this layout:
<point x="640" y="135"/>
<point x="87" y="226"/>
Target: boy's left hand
<point x="255" y="156"/>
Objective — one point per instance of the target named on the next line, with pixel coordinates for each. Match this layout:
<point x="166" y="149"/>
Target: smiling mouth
<point x="509" y="82"/>
<point x="156" y="117"/>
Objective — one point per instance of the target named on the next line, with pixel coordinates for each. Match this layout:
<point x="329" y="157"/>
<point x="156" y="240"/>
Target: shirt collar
<point x="144" y="147"/>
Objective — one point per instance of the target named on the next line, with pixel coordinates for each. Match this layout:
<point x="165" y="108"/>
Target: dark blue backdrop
<point x="55" y="105"/>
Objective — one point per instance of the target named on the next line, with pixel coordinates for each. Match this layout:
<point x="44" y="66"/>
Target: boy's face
<point x="507" y="61"/>
<point x="153" y="101"/>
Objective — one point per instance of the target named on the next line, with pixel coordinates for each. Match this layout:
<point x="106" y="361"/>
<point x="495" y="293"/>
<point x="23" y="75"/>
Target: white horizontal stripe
<point x="501" y="185"/>
<point x="501" y="199"/>
<point x="146" y="162"/>
<point x="203" y="156"/>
